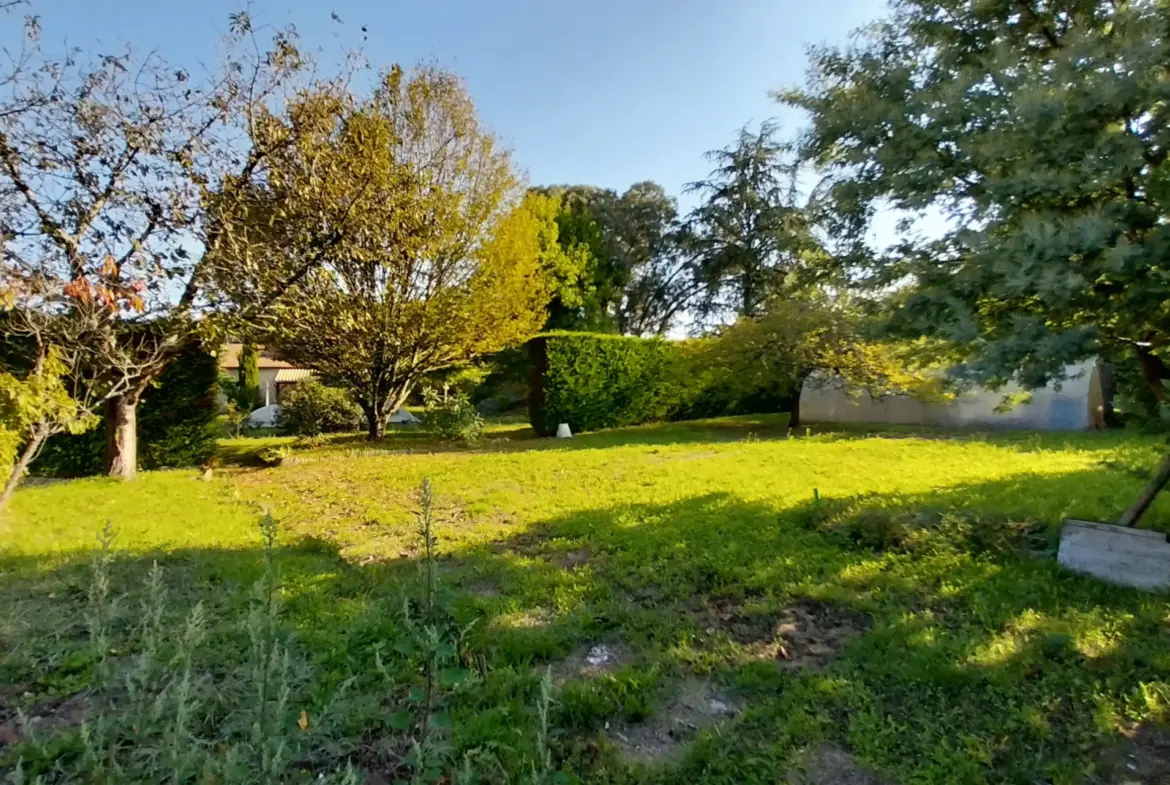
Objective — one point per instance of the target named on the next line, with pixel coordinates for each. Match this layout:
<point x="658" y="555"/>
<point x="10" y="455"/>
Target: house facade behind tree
<point x="276" y="375"/>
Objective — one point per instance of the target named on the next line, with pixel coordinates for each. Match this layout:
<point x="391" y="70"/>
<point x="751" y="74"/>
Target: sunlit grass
<point x="979" y="660"/>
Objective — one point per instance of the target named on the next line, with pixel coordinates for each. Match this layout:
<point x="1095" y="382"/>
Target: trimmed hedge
<point x="596" y="380"/>
<point x="176" y="424"/>
<point x="593" y="381"/>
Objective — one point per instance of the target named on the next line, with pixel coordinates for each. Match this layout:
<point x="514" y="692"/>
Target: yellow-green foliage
<point x="798" y="337"/>
<point x="434" y="257"/>
<point x="38" y="400"/>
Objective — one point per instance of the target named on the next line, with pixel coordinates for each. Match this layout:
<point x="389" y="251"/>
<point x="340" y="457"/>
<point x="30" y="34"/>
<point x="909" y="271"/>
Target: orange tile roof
<point x="229" y="358"/>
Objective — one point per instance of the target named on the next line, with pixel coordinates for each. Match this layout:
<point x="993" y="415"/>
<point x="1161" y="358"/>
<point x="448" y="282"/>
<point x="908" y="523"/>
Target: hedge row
<point x="593" y="381"/>
<point x="176" y="424"/>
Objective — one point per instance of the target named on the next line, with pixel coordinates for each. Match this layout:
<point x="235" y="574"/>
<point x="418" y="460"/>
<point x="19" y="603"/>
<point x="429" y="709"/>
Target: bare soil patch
<point x="571" y="560"/>
<point x="593" y="659"/>
<point x="695" y="705"/>
<point x="42" y="719"/>
<point x="1143" y="758"/>
<point x="806" y="634"/>
<point x="828" y="764"/>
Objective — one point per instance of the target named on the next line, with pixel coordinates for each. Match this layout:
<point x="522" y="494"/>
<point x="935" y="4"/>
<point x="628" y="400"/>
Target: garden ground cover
<point x="720" y="601"/>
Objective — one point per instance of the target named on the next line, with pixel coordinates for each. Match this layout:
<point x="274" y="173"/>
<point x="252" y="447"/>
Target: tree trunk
<point x="122" y="436"/>
<point x="794" y="408"/>
<point x="31" y="448"/>
<point x="1153" y="371"/>
<point x="375" y="421"/>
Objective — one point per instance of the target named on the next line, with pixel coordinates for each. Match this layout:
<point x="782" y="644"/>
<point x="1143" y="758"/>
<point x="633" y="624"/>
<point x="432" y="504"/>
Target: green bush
<point x="593" y="381"/>
<point x="310" y="408"/>
<point x="451" y="416"/>
<point x="176" y="423"/>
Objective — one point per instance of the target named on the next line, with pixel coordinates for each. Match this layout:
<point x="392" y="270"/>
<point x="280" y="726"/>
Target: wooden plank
<point x="1091" y="559"/>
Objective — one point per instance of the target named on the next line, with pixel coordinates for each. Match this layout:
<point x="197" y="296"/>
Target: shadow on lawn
<point x="978" y="662"/>
<point x="970" y="638"/>
<point x="518" y="436"/>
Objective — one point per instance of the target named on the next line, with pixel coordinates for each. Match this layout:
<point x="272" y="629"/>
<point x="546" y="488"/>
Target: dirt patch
<point x="645" y="596"/>
<point x="593" y="660"/>
<point x="482" y="588"/>
<point x="43" y="719"/>
<point x="806" y="634"/>
<point x="696" y="705"/>
<point x="1142" y="759"/>
<point x="571" y="560"/>
<point x="831" y="765"/>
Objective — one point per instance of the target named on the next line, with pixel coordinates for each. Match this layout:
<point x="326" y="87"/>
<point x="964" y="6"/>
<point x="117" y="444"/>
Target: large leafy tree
<point x="431" y="258"/>
<point x="1040" y="129"/>
<point x="750" y="234"/>
<point x="632" y="274"/>
<point x="108" y="165"/>
<point x="586" y="287"/>
<point x="649" y="239"/>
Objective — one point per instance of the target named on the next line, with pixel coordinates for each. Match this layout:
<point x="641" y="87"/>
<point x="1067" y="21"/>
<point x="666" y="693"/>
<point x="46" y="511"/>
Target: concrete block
<point x="1129" y="557"/>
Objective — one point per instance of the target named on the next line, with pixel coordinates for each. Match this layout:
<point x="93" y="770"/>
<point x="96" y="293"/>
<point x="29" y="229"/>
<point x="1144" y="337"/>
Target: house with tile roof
<point x="276" y="375"/>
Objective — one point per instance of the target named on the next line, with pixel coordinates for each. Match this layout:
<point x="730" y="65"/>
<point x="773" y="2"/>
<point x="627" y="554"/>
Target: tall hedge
<point x="176" y="424"/>
<point x="593" y="381"/>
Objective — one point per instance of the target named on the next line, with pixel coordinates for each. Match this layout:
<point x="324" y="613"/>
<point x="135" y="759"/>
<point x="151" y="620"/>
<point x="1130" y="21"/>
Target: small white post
<point x="563" y="431"/>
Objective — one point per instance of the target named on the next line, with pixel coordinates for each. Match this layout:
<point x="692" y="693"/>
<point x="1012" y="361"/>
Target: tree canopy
<point x="1039" y="128"/>
<point x="432" y="257"/>
<point x="632" y="274"/>
<point x="829" y="338"/>
<point x="110" y="169"/>
<point x="750" y="234"/>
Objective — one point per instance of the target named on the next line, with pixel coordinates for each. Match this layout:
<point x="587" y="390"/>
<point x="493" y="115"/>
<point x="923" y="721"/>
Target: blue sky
<point x="606" y="93"/>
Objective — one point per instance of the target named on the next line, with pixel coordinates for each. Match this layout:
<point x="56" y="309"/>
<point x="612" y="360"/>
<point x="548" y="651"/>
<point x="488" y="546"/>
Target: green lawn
<point x="705" y="617"/>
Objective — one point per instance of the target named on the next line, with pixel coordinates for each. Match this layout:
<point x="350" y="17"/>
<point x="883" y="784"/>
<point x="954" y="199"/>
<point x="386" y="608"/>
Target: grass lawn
<point x="715" y="603"/>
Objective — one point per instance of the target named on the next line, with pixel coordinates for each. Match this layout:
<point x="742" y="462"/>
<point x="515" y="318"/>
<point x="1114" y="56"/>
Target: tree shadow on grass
<point x="977" y="662"/>
<point x="981" y="662"/>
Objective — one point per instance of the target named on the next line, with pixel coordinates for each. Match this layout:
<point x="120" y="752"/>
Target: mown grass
<point x="972" y="657"/>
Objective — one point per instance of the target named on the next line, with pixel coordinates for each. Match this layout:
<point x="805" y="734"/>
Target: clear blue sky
<point x="606" y="93"/>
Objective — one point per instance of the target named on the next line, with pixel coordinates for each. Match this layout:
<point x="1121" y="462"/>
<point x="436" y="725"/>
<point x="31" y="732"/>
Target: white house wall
<point x="1065" y="410"/>
<point x="268" y="385"/>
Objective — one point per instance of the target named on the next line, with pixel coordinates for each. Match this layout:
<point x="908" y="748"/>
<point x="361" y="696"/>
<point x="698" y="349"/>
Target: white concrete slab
<point x="1129" y="557"/>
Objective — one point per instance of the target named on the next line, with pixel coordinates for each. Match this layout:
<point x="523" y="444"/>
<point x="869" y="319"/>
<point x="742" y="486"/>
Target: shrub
<point x="310" y="408"/>
<point x="310" y="442"/>
<point x="275" y="455"/>
<point x="176" y="423"/>
<point x="451" y="416"/>
<point x="593" y="381"/>
<point x="177" y="420"/>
